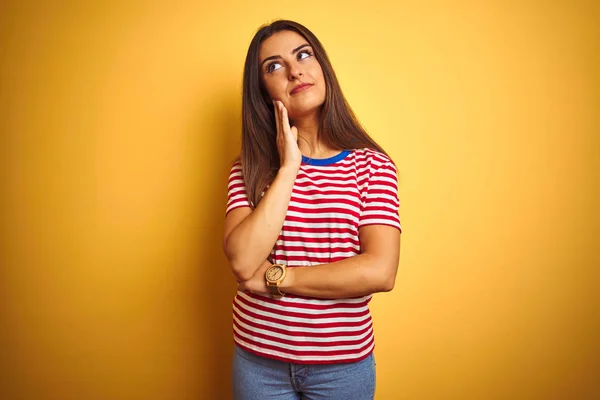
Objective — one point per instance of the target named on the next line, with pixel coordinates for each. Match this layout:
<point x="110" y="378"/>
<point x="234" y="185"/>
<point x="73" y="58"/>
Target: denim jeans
<point x="260" y="378"/>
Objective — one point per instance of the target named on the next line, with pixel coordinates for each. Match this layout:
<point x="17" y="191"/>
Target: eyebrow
<point x="277" y="57"/>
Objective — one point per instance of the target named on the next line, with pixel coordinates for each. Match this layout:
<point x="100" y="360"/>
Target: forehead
<point x="280" y="44"/>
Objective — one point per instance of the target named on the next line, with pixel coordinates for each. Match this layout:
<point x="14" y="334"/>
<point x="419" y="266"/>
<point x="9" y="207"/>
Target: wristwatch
<point x="274" y="276"/>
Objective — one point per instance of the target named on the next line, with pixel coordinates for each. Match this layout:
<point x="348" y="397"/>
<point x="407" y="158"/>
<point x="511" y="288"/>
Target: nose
<point x="295" y="72"/>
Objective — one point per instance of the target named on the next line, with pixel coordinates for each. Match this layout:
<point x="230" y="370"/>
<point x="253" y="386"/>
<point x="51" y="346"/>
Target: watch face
<point x="274" y="273"/>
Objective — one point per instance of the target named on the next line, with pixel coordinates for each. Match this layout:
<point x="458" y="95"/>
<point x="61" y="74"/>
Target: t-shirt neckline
<point x="325" y="161"/>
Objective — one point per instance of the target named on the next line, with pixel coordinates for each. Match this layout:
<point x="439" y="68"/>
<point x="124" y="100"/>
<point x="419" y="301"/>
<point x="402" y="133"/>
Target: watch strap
<point x="274" y="290"/>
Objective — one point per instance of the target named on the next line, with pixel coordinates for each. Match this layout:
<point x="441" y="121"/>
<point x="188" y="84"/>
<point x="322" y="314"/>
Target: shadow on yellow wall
<point x="119" y="123"/>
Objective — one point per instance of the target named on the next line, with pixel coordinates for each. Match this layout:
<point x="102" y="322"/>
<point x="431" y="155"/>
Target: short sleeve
<point x="380" y="205"/>
<point x="236" y="190"/>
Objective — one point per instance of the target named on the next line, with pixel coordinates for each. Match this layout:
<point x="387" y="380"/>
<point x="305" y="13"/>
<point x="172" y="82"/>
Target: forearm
<point x="356" y="276"/>
<point x="251" y="242"/>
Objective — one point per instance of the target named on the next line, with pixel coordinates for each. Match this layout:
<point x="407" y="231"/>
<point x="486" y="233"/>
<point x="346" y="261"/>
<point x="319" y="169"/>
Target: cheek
<point x="323" y="88"/>
<point x="268" y="85"/>
<point x="276" y="88"/>
<point x="317" y="71"/>
<point x="317" y="74"/>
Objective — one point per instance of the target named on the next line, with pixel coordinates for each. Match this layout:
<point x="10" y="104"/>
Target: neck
<point x="309" y="142"/>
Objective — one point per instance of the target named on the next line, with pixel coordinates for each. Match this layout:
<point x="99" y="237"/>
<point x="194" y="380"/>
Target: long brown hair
<point x="338" y="126"/>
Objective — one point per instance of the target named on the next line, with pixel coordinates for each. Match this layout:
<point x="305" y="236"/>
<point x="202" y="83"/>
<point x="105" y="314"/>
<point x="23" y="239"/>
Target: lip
<point x="301" y="87"/>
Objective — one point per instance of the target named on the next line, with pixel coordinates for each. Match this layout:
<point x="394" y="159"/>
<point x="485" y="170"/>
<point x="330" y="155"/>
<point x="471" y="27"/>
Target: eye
<point x="271" y="66"/>
<point x="307" y="54"/>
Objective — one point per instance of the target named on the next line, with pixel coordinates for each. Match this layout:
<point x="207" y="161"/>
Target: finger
<point x="284" y="118"/>
<point x="276" y="111"/>
<point x="286" y="125"/>
<point x="281" y="118"/>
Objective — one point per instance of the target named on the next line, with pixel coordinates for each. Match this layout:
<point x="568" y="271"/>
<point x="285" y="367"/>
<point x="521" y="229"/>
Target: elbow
<point x="380" y="284"/>
<point x="241" y="271"/>
<point x="381" y="272"/>
<point x="387" y="285"/>
<point x="385" y="281"/>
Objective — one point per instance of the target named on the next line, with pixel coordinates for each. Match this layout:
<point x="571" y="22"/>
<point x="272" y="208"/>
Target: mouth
<point x="302" y="87"/>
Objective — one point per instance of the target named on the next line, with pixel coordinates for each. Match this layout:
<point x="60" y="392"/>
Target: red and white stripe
<point x="329" y="204"/>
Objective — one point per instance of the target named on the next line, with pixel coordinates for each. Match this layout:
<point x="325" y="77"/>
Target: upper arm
<point x="238" y="205"/>
<point x="379" y="221"/>
<point x="233" y="219"/>
<point x="383" y="243"/>
<point x="380" y="205"/>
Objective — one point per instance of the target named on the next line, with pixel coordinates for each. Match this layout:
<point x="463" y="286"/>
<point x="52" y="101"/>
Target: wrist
<point x="288" y="282"/>
<point x="289" y="170"/>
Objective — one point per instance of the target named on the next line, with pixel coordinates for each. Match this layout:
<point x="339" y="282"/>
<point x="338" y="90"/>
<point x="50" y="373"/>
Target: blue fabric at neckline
<point x="325" y="161"/>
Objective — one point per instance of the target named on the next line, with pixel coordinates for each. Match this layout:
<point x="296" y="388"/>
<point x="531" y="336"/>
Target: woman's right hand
<point x="287" y="138"/>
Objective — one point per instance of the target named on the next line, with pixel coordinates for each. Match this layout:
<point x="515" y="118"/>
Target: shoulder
<point x="235" y="173"/>
<point x="371" y="159"/>
<point x="236" y="167"/>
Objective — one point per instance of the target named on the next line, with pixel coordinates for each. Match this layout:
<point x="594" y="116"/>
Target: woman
<point x="311" y="230"/>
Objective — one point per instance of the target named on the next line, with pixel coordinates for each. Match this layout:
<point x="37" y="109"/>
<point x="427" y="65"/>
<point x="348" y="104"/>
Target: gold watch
<point x="274" y="276"/>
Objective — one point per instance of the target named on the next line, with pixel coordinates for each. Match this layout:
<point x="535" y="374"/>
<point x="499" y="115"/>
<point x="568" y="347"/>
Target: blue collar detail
<point x="325" y="161"/>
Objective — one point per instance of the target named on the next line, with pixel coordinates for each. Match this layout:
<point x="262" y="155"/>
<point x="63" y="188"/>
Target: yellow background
<point x="119" y="121"/>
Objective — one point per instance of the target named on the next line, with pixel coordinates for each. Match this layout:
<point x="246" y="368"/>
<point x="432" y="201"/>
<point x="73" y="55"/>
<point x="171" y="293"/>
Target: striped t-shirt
<point x="331" y="199"/>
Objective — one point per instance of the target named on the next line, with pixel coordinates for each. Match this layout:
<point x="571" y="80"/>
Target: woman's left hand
<point x="257" y="283"/>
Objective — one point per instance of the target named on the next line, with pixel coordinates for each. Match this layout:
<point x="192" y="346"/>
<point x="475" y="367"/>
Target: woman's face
<point x="291" y="73"/>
